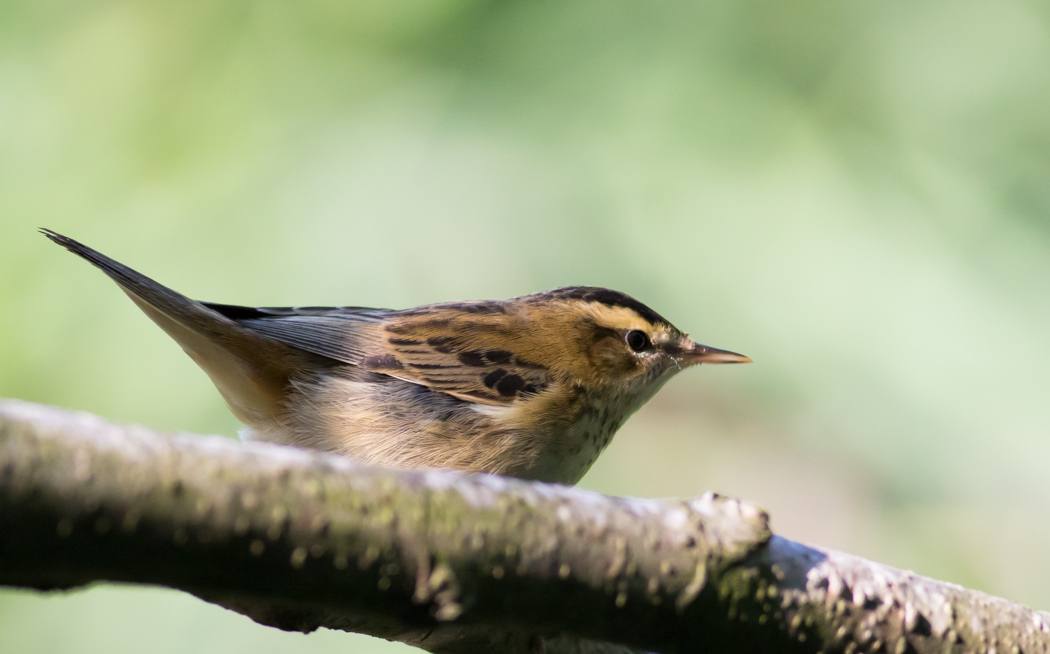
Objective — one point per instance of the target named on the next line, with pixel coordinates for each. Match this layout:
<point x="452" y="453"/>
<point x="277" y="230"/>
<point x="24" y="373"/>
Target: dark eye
<point x="637" y="340"/>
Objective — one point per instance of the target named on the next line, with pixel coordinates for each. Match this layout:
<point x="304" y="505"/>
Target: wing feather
<point x="465" y="367"/>
<point x="344" y="334"/>
<point x="451" y="351"/>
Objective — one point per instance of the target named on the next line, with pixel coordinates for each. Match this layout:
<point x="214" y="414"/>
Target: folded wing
<point x="443" y="348"/>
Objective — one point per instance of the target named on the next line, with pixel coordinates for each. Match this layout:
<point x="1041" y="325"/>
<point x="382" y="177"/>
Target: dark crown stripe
<point x="607" y="297"/>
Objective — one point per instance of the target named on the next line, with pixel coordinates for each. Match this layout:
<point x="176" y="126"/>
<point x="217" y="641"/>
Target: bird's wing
<point x="448" y="354"/>
<point x="344" y="334"/>
<point x="461" y="355"/>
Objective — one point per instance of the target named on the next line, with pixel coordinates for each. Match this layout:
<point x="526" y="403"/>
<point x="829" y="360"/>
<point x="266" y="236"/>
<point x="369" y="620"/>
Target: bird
<point x="532" y="387"/>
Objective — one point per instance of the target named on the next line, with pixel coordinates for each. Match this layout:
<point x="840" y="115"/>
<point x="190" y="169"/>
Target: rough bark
<point x="451" y="562"/>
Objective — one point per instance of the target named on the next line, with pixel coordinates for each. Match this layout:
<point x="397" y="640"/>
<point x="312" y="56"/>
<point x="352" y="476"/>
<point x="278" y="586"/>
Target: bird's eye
<point x="637" y="340"/>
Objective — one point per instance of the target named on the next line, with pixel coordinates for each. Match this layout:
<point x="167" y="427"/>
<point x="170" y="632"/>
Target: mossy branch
<point x="450" y="562"/>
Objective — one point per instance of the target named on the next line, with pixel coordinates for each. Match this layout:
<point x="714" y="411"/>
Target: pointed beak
<point x="694" y="353"/>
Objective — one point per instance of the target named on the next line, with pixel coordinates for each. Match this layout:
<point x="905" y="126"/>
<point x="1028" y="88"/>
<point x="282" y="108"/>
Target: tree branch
<point x="451" y="562"/>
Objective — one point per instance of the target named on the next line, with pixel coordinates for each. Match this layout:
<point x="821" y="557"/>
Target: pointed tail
<point x="250" y="370"/>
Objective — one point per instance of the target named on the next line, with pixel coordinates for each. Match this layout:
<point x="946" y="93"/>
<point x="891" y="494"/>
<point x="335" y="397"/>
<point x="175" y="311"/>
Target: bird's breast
<point x="555" y="436"/>
<point x="576" y="427"/>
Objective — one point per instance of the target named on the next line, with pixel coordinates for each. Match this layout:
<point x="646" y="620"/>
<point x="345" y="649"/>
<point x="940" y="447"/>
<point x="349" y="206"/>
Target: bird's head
<point x="606" y="338"/>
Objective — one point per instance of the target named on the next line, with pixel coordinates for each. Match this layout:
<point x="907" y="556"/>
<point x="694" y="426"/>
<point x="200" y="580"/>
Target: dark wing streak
<point x="490" y="376"/>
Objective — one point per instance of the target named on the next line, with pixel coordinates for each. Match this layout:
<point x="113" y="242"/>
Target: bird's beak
<point x="694" y="353"/>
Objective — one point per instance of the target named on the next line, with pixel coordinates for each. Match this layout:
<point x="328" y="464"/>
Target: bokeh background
<point x="855" y="194"/>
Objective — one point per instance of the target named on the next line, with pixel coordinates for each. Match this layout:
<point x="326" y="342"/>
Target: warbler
<point x="531" y="387"/>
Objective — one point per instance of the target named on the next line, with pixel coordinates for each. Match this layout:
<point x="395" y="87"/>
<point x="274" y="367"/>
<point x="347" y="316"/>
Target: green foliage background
<point x="856" y="194"/>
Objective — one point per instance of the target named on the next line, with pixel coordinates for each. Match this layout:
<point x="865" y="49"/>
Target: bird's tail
<point x="250" y="370"/>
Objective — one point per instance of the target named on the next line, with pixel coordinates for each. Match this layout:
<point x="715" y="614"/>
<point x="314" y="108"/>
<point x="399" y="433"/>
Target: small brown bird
<point x="531" y="387"/>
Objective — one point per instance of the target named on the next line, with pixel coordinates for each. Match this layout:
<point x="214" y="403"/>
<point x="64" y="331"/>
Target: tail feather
<point x="250" y="370"/>
<point x="173" y="304"/>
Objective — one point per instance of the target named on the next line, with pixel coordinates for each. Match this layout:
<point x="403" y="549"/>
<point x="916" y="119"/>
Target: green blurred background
<point x="855" y="194"/>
